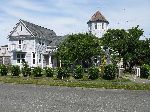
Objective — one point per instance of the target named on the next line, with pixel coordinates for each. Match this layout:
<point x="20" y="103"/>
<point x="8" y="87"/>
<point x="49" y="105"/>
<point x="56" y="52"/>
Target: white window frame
<point x="19" y="57"/>
<point x="40" y="57"/>
<point x="20" y="42"/>
<point x="33" y="58"/>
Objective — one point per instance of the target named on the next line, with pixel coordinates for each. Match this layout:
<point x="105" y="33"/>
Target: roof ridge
<point x="35" y="24"/>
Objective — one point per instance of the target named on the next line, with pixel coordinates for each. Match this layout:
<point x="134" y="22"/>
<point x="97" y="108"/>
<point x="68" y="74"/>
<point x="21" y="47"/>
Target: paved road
<point x="30" y="98"/>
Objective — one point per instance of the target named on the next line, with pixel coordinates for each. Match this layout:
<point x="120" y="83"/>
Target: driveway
<point x="31" y="98"/>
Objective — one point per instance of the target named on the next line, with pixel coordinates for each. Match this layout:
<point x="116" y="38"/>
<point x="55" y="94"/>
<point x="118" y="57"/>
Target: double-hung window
<point x="20" y="43"/>
<point x="40" y="58"/>
<point x="33" y="58"/>
<point x="20" y="57"/>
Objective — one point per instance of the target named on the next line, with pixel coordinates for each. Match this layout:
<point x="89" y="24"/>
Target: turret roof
<point x="98" y="17"/>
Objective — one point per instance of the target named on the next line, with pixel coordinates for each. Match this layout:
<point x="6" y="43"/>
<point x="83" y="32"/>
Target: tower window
<point x="95" y="25"/>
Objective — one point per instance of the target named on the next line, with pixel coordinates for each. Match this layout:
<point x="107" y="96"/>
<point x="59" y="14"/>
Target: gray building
<point x="4" y="55"/>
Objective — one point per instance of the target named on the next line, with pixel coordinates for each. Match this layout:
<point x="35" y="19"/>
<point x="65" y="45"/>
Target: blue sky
<point x="71" y="16"/>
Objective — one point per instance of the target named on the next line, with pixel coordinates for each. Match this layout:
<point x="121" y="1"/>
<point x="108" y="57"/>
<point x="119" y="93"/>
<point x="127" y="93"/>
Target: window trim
<point x="20" y="42"/>
<point x="40" y="57"/>
<point x="33" y="58"/>
<point x="19" y="57"/>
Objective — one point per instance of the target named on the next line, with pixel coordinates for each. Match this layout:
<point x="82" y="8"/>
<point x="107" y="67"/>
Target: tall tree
<point x="79" y="49"/>
<point x="124" y="43"/>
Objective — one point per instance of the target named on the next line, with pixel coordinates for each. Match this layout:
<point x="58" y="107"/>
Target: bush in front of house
<point x="48" y="72"/>
<point x="15" y="70"/>
<point x="110" y="72"/>
<point x="3" y="70"/>
<point x="145" y="71"/>
<point x="62" y="73"/>
<point x="93" y="73"/>
<point x="26" y="70"/>
<point x="78" y="72"/>
<point x="37" y="72"/>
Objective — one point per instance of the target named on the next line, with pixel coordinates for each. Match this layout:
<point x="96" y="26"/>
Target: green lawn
<point x="70" y="82"/>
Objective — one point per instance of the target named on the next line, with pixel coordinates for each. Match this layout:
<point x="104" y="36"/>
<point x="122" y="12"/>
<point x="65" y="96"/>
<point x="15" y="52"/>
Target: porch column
<point x="50" y="60"/>
<point x="60" y="63"/>
<point x="3" y="59"/>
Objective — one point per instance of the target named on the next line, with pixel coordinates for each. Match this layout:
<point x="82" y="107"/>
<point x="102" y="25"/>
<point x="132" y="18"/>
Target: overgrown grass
<point x="70" y="82"/>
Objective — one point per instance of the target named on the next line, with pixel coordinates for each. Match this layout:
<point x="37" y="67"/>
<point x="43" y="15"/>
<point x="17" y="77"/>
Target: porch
<point x="48" y="60"/>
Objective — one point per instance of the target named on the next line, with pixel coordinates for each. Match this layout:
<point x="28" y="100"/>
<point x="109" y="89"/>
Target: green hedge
<point x="15" y="70"/>
<point x="93" y="73"/>
<point x="48" y="72"/>
<point x="145" y="71"/>
<point x="110" y="72"/>
<point x="37" y="72"/>
<point x="26" y="70"/>
<point x="78" y="72"/>
<point x="3" y="70"/>
<point x="62" y="73"/>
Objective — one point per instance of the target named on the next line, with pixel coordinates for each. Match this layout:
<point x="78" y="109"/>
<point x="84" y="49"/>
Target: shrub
<point x="37" y="72"/>
<point x="93" y="73"/>
<point x="3" y="70"/>
<point x="15" y="70"/>
<point x="145" y="71"/>
<point x="49" y="72"/>
<point x="110" y="72"/>
<point x="62" y="73"/>
<point x="26" y="70"/>
<point x="78" y="72"/>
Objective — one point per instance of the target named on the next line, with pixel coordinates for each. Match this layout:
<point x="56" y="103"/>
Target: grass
<point x="71" y="82"/>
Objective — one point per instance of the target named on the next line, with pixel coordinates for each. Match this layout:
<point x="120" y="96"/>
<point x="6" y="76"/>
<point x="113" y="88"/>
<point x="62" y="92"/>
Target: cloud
<point x="70" y="16"/>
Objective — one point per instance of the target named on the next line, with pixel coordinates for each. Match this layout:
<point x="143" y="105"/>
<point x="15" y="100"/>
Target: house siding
<point x="29" y="39"/>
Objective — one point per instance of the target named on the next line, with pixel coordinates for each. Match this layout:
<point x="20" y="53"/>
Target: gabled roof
<point x="98" y="17"/>
<point x="38" y="31"/>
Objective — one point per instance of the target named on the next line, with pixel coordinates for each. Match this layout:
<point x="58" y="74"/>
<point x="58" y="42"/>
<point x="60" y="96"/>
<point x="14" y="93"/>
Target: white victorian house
<point x="33" y="44"/>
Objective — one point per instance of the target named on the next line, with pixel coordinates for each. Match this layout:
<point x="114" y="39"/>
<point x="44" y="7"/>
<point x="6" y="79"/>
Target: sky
<point x="71" y="16"/>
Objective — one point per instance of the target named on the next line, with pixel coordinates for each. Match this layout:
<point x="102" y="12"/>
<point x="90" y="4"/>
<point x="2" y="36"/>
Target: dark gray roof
<point x="58" y="40"/>
<point x="38" y="31"/>
<point x="41" y="32"/>
<point x="4" y="46"/>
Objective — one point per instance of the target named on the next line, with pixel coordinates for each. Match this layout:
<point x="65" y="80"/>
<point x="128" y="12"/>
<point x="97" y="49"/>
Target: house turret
<point x="97" y="25"/>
